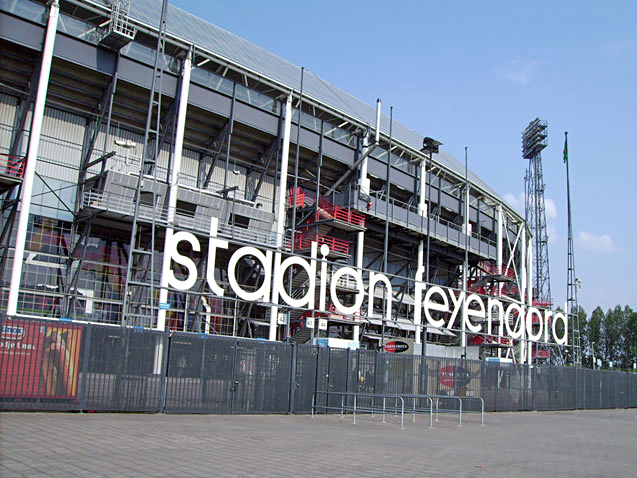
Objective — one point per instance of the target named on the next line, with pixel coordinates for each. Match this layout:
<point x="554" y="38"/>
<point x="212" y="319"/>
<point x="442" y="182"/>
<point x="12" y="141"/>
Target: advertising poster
<point x="400" y="345"/>
<point x="39" y="360"/>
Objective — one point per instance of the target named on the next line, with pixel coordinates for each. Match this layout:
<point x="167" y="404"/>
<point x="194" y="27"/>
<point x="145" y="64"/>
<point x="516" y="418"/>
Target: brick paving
<point x="547" y="444"/>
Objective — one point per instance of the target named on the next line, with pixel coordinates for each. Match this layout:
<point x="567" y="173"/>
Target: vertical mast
<point x="572" y="281"/>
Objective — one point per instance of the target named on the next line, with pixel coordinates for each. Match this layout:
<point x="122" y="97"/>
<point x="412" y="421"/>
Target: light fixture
<point x="126" y="144"/>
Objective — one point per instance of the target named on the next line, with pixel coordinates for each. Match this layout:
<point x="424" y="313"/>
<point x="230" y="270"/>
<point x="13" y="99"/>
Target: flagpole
<point x="571" y="286"/>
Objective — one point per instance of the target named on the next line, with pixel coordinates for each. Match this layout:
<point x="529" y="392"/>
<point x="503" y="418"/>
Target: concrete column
<point x="360" y="237"/>
<point x="280" y="216"/>
<point x="529" y="285"/>
<point x="32" y="156"/>
<point x="173" y="185"/>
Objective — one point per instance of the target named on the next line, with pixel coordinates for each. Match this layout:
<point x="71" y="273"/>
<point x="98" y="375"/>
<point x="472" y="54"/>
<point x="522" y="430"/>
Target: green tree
<point x="594" y="334"/>
<point x="630" y="338"/>
<point x="613" y="327"/>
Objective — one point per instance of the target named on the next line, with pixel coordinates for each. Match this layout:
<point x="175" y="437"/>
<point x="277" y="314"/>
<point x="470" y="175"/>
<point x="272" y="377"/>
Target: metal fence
<point x="59" y="365"/>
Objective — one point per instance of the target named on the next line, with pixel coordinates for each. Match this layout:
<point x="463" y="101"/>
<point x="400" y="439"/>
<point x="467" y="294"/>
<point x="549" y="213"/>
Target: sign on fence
<point x="39" y="360"/>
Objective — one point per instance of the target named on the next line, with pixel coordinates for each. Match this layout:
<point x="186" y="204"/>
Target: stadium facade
<point x="154" y="175"/>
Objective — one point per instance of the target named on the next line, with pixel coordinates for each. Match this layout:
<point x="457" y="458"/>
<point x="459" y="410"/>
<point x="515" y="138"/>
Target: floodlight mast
<point x="534" y="140"/>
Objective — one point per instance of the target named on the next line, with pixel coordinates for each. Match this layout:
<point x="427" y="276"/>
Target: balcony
<point x="11" y="171"/>
<point x="376" y="204"/>
<point x="337" y="216"/>
<point x="120" y="207"/>
<point x="338" y="247"/>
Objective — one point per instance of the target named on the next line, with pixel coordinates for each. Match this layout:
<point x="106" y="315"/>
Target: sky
<point x="474" y="74"/>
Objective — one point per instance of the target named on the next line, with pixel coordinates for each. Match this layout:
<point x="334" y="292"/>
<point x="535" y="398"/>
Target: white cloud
<point x="591" y="242"/>
<point x="516" y="202"/>
<point x="518" y="71"/>
<point x="550" y="209"/>
<point x="618" y="47"/>
<point x="551" y="230"/>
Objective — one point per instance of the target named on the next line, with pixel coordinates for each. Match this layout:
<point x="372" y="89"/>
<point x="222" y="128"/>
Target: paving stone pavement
<point x="547" y="444"/>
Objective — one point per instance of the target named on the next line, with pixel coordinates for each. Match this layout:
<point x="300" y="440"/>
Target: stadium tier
<point x="158" y="171"/>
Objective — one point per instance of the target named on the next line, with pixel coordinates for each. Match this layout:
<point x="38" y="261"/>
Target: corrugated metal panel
<point x="162" y="163"/>
<point x="233" y="179"/>
<point x="189" y="168"/>
<point x="63" y="125"/>
<point x="266" y="193"/>
<point x="7" y="116"/>
<point x="7" y="109"/>
<point x="60" y="143"/>
<point x="55" y="171"/>
<point x="5" y="138"/>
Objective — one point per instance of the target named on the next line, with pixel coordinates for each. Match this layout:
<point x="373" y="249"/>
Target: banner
<point x="39" y="360"/>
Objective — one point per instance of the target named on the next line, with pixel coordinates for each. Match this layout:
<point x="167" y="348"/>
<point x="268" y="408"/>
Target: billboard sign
<point x="39" y="360"/>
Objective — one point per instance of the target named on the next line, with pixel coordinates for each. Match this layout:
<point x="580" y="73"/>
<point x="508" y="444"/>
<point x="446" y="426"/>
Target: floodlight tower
<point x="534" y="140"/>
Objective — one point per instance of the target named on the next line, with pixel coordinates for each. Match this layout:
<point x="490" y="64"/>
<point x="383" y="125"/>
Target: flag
<point x="565" y="147"/>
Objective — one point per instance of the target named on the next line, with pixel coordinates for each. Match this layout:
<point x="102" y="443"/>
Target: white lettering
<point x="263" y="293"/>
<point x="430" y="305"/>
<point x="213" y="244"/>
<point x="360" y="296"/>
<point x="478" y="314"/>
<point x="171" y="245"/>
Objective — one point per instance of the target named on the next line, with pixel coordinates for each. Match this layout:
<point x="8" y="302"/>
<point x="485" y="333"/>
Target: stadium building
<point x="158" y="171"/>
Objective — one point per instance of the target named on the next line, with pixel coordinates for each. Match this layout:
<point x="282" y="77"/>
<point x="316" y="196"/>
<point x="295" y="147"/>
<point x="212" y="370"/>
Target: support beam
<point x="23" y="110"/>
<point x="360" y="236"/>
<point x="280" y="216"/>
<point x="32" y="156"/>
<point x="362" y="161"/>
<point x="173" y="185"/>
<point x="529" y="293"/>
<point x="271" y="151"/>
<point x="218" y="139"/>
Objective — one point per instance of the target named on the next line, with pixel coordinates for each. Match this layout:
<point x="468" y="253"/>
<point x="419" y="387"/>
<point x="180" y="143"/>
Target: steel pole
<point x="32" y="157"/>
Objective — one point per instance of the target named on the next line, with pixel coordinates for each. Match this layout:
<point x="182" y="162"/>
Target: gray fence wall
<point x="47" y="365"/>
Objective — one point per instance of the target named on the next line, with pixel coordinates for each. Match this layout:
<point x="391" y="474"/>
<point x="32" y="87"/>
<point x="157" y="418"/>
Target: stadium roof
<point x="237" y="50"/>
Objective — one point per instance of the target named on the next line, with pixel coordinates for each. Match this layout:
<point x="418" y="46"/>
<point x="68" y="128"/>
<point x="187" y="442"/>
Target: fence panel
<point x="305" y="377"/>
<point x="632" y="390"/>
<point x="545" y="393"/>
<point x="186" y="360"/>
<point x="200" y="374"/>
<point x="262" y="377"/>
<point x="608" y="389"/>
<point x="621" y="390"/>
<point x="41" y="365"/>
<point x="521" y="387"/>
<point x="126" y="369"/>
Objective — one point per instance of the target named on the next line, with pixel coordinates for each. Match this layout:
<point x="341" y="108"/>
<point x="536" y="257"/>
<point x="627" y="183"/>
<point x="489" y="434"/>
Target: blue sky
<point x="475" y="74"/>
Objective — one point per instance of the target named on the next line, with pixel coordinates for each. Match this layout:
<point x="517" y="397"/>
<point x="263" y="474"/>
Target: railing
<point x="356" y="406"/>
<point x="12" y="165"/>
<point x="344" y="407"/>
<point x="494" y="269"/>
<point x="304" y="242"/>
<point x="327" y="210"/>
<point x="342" y="214"/>
<point x="123" y="205"/>
<point x="542" y="303"/>
<point x="490" y="340"/>
<point x="408" y="215"/>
